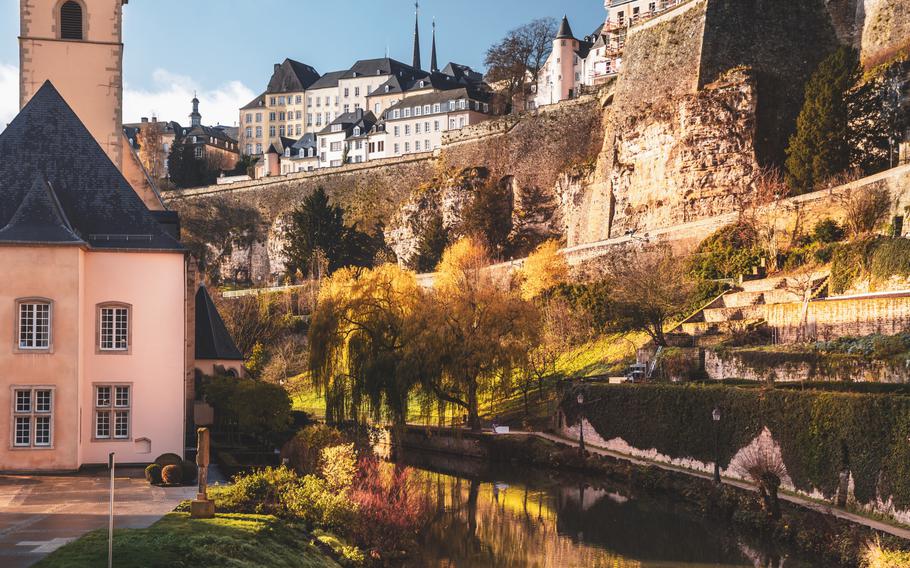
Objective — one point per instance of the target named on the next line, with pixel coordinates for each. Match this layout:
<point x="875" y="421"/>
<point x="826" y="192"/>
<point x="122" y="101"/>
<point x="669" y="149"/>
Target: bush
<point x="312" y="500"/>
<point x="728" y="253"/>
<point x="873" y="259"/>
<point x="339" y="466"/>
<point x="828" y="231"/>
<point x="304" y="451"/>
<point x="261" y="410"/>
<point x="168" y="459"/>
<point x="172" y="475"/>
<point x="153" y="474"/>
<point x="189" y="472"/>
<point x="820" y="433"/>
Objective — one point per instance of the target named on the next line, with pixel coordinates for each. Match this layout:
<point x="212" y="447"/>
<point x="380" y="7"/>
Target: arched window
<point x="71" y="20"/>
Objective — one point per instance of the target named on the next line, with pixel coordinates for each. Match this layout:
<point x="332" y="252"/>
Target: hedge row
<point x="820" y="433"/>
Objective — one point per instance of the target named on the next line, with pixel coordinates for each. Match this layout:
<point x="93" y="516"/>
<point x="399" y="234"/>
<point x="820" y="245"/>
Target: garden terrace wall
<point x="819" y="435"/>
<point x="787" y="366"/>
<point x="839" y="317"/>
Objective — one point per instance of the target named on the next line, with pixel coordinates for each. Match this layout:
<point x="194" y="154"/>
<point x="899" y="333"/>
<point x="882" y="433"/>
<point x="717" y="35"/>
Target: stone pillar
<point x="202" y="507"/>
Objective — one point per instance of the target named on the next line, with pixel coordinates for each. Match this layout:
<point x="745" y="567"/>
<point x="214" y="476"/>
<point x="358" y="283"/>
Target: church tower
<point x="195" y="117"/>
<point x="78" y="46"/>
<point x="416" y="35"/>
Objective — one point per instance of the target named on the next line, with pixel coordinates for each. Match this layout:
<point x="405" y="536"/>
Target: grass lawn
<point x="229" y="541"/>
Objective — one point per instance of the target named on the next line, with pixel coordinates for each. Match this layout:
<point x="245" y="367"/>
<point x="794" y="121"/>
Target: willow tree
<point x="359" y="343"/>
<point x="474" y="330"/>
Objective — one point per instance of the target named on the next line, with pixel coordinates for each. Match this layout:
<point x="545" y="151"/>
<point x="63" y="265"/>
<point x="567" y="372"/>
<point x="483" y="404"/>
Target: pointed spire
<point x="565" y="30"/>
<point x="434" y="65"/>
<point x="416" y="35"/>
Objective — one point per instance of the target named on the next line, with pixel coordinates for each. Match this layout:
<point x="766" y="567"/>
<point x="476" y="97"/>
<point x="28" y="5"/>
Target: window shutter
<point x="71" y="21"/>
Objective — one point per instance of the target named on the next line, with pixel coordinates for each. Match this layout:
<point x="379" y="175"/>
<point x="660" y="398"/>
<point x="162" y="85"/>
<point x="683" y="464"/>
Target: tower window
<point x="71" y="20"/>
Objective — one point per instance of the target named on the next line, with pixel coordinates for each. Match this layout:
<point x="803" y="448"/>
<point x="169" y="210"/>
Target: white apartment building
<point x="417" y="123"/>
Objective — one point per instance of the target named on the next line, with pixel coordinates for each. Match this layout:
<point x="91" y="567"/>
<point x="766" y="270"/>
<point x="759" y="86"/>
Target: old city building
<point x="93" y="363"/>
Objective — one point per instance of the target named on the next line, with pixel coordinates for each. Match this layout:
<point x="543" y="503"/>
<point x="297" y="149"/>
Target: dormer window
<point x="423" y="84"/>
<point x="71" y="21"/>
<point x="388" y="88"/>
<point x="356" y="131"/>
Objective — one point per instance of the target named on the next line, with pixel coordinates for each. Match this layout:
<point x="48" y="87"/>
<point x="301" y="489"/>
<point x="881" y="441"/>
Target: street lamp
<point x="581" y="425"/>
<point x="715" y="415"/>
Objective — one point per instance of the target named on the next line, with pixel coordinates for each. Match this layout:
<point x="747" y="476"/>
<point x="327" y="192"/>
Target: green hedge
<point x="875" y="259"/>
<point x="812" y="427"/>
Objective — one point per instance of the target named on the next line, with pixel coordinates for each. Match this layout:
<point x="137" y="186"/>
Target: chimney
<point x="277" y="66"/>
<point x="145" y="120"/>
<point x="154" y="120"/>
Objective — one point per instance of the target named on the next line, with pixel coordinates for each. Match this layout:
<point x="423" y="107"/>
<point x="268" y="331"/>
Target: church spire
<point x="434" y="65"/>
<point x="195" y="117"/>
<point x="416" y="35"/>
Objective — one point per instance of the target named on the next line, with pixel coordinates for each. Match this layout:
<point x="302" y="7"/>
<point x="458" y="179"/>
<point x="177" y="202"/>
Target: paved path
<point x="796" y="499"/>
<point x="39" y="514"/>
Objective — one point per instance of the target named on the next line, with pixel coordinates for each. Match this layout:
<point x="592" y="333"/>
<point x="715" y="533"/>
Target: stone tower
<point x="195" y="117"/>
<point x="54" y="34"/>
<point x="565" y="45"/>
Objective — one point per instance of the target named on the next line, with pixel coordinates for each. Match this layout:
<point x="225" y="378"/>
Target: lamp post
<point x="715" y="416"/>
<point x="581" y="425"/>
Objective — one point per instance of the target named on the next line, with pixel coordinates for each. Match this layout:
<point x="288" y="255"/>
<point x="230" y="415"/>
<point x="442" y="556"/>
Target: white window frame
<point x="111" y="407"/>
<point x="31" y="414"/>
<point x="32" y="343"/>
<point x="120" y="330"/>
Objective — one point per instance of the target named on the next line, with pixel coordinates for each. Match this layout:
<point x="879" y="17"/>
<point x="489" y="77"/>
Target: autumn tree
<point x="515" y="62"/>
<point x="543" y="270"/>
<point x="361" y="337"/>
<point x="475" y="329"/>
<point x="151" y="149"/>
<point x="820" y="146"/>
<point x="649" y="288"/>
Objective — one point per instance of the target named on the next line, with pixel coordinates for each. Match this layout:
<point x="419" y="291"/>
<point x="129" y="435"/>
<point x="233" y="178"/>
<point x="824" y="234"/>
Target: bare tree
<point x="151" y="149"/>
<point x="515" y="62"/>
<point x="866" y="210"/>
<point x="650" y="288"/>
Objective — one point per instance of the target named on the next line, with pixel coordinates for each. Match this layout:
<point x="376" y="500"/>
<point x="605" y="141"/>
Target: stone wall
<point x="720" y="365"/>
<point x="833" y="318"/>
<point x="709" y="92"/>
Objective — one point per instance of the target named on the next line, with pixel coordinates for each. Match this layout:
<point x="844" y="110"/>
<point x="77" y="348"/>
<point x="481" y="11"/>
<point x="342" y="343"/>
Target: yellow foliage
<point x="542" y="270"/>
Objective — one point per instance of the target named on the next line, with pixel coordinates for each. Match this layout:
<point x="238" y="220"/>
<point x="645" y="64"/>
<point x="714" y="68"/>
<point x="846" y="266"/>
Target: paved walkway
<point x="796" y="499"/>
<point x="39" y="514"/>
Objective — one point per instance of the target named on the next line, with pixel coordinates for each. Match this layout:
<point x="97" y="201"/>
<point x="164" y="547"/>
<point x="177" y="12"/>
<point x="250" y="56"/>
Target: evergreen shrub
<point x="172" y="474"/>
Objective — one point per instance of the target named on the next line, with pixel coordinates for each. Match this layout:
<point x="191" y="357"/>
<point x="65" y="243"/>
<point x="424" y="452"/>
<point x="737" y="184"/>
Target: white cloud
<point x="168" y="99"/>
<point x="9" y="93"/>
<point x="170" y="96"/>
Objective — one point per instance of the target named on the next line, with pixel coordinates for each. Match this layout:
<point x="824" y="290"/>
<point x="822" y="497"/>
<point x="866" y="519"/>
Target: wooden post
<point x="202" y="507"/>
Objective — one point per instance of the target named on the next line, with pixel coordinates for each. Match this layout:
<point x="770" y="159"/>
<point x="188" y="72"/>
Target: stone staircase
<point x="746" y="305"/>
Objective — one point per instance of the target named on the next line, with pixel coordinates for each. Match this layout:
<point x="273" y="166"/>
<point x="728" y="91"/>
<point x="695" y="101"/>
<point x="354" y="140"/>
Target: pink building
<point x="101" y="345"/>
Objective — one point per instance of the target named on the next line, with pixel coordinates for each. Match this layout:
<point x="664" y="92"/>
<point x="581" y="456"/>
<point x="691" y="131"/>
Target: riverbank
<point x="836" y="538"/>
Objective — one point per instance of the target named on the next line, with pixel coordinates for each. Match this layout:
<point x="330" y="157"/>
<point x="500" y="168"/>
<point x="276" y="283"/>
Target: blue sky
<point x="225" y="49"/>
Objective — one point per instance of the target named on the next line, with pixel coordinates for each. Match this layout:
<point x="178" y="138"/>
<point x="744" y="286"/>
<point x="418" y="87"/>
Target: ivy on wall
<point x="820" y="433"/>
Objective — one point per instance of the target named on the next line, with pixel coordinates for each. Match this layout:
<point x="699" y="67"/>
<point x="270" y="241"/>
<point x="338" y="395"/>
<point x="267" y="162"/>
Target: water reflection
<point x="525" y="519"/>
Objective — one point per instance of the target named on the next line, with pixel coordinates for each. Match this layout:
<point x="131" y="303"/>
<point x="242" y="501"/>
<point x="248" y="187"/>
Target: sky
<point x="225" y="49"/>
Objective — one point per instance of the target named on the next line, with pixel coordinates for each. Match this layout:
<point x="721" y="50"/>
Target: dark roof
<point x="565" y="30"/>
<point x="291" y="77"/>
<point x="379" y="67"/>
<point x="438" y="97"/>
<point x="463" y="74"/>
<point x="58" y="186"/>
<point x="328" y="80"/>
<point x="255" y="103"/>
<point x="211" y="131"/>
<point x="308" y="140"/>
<point x="213" y="341"/>
<point x="349" y="120"/>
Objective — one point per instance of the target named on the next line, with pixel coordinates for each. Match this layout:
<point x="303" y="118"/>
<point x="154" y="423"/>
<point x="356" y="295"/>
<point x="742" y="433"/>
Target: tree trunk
<point x="473" y="408"/>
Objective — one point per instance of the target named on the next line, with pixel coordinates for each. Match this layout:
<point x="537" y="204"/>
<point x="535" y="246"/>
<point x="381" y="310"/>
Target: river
<point x="516" y="517"/>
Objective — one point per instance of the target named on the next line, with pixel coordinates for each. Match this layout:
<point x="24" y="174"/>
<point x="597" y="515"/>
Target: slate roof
<point x="381" y="66"/>
<point x="57" y="186"/>
<point x="438" y="97"/>
<point x="291" y="77"/>
<point x="328" y="80"/>
<point x="213" y="341"/>
<point x="349" y="120"/>
<point x="255" y="103"/>
<point x="565" y="30"/>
